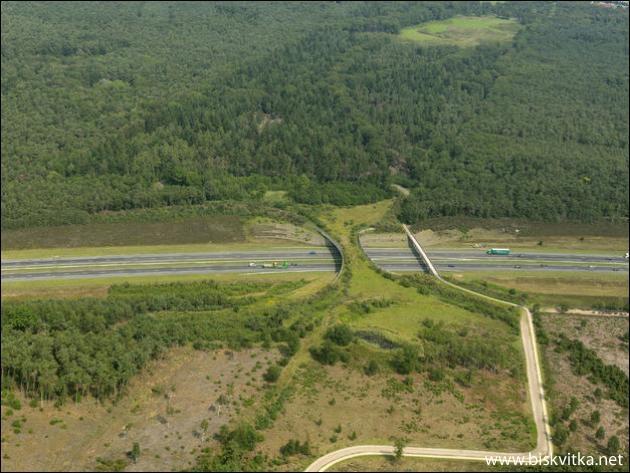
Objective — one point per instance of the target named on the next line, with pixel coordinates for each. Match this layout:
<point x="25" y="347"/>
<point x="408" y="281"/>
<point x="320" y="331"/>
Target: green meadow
<point x="463" y="31"/>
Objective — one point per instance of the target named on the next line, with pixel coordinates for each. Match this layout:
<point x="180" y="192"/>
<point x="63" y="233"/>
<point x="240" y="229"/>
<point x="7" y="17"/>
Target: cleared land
<point x="604" y="336"/>
<point x="215" y="229"/>
<point x="162" y="411"/>
<point x="185" y="236"/>
<point x="463" y="31"/>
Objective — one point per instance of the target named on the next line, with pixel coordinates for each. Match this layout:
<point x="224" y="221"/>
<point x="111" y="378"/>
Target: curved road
<point x="536" y="393"/>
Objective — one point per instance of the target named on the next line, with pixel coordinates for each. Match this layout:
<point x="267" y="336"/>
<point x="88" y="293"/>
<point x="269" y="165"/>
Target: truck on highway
<point x="498" y="251"/>
<point x="276" y="265"/>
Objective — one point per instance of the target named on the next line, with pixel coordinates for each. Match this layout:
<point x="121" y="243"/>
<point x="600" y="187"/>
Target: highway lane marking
<point x="490" y="260"/>
<point x="157" y="263"/>
<point x="29" y="277"/>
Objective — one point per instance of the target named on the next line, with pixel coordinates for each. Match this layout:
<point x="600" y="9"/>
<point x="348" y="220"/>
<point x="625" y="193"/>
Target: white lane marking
<point x="162" y="263"/>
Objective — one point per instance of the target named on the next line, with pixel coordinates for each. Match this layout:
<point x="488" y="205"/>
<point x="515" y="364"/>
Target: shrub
<point x="406" y="360"/>
<point x="340" y="335"/>
<point x="294" y="447"/>
<point x="371" y="368"/>
<point x="328" y="354"/>
<point x="600" y="434"/>
<point x="272" y="374"/>
<point x="613" y="445"/>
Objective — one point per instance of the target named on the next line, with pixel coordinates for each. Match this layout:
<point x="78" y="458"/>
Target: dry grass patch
<point x="162" y="411"/>
<point x="601" y="335"/>
<point x="335" y="407"/>
<point x="267" y="230"/>
<point x="215" y="229"/>
<point x="382" y="463"/>
<point x="605" y="335"/>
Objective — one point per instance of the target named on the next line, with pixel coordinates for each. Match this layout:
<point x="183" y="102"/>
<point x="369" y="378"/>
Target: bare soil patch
<point x="600" y="335"/>
<point x="163" y="411"/>
<point x="335" y="407"/>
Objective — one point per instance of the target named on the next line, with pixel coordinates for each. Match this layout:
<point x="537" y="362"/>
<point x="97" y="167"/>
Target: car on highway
<point x="451" y="265"/>
<point x="252" y="265"/>
<point x="312" y="253"/>
<point x="518" y="266"/>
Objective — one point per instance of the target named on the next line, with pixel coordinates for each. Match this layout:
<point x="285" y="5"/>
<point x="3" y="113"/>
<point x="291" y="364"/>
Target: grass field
<point x="97" y="287"/>
<point x="463" y="31"/>
<point x="338" y="406"/>
<point x="552" y="289"/>
<point x="382" y="463"/>
<point x="274" y="197"/>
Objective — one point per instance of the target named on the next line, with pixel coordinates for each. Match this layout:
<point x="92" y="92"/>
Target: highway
<point x="543" y="446"/>
<point x="298" y="259"/>
<point x="404" y="259"/>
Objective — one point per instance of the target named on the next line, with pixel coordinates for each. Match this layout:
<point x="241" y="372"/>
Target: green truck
<point x="276" y="265"/>
<point x="498" y="251"/>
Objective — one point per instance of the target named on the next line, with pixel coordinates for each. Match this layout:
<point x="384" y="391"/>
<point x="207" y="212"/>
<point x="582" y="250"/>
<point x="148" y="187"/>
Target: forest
<point x="141" y="105"/>
<point x="67" y="349"/>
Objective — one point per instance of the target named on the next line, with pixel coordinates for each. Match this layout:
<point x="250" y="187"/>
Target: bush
<point x="406" y="360"/>
<point x="595" y="417"/>
<point x="560" y="435"/>
<point x="371" y="368"/>
<point x="600" y="434"/>
<point x="436" y="374"/>
<point x="328" y="354"/>
<point x="294" y="447"/>
<point x="244" y="438"/>
<point x="340" y="334"/>
<point x="272" y="374"/>
<point x="613" y="445"/>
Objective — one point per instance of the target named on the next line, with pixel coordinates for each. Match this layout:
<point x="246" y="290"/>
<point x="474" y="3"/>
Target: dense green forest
<point x="60" y="349"/>
<point x="111" y="106"/>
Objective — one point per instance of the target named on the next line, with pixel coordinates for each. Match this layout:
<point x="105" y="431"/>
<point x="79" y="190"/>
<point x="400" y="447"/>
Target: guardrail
<point x="420" y="251"/>
<point x="338" y="252"/>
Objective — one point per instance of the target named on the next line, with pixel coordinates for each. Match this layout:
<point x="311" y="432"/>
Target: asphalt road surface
<point x="404" y="259"/>
<point x="299" y="260"/>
